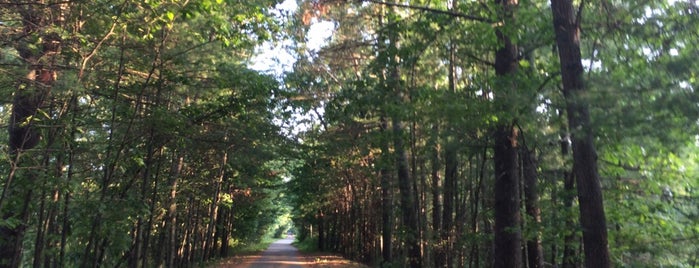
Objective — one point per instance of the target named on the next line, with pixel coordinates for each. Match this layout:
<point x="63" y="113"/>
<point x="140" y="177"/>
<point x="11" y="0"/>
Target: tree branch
<point x="624" y="166"/>
<point x="578" y="15"/>
<point x="432" y="10"/>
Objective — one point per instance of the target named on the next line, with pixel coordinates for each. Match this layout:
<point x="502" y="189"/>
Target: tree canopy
<point x="489" y="133"/>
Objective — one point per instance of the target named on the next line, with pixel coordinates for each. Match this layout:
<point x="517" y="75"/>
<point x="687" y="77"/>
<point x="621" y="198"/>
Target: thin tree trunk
<point x="421" y="196"/>
<point x="321" y="230"/>
<point x="52" y="225"/>
<point x="395" y="94"/>
<point x="476" y="200"/>
<point x="171" y="218"/>
<point x="408" y="206"/>
<point x="153" y="207"/>
<point x="46" y="215"/>
<point x="195" y="246"/>
<point x="566" y="24"/>
<point x="65" y="224"/>
<point x="553" y="252"/>
<point x="386" y="203"/>
<point x="209" y="239"/>
<point x="461" y="216"/>
<point x="91" y="254"/>
<point x="138" y="254"/>
<point x="439" y="253"/>
<point x="535" y="251"/>
<point x="219" y="233"/>
<point x="569" y="239"/>
<point x="42" y="221"/>
<point x="444" y="223"/>
<point x="450" y="172"/>
<point x="186" y="249"/>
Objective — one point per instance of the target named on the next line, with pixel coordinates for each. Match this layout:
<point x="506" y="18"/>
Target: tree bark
<point x="535" y="251"/>
<point x="321" y="230"/>
<point x="508" y="239"/>
<point x="396" y="95"/>
<point x="210" y="239"/>
<point x="569" y="239"/>
<point x="450" y="173"/>
<point x="439" y="254"/>
<point x="386" y="203"/>
<point x="170" y="243"/>
<point x="507" y="251"/>
<point x="408" y="204"/>
<point x="592" y="217"/>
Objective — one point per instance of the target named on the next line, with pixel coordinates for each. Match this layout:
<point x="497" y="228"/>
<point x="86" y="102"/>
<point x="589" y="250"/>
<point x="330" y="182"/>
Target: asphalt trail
<point x="280" y="254"/>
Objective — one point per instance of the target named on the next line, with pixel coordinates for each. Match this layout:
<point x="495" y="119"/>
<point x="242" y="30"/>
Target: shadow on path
<point x="279" y="254"/>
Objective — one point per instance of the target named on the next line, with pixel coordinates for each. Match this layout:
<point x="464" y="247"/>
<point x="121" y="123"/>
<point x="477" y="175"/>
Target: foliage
<point x="640" y="81"/>
<point x="160" y="147"/>
<point x="156" y="138"/>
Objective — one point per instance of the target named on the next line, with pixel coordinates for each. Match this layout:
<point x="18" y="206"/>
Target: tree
<point x="507" y="233"/>
<point x="39" y="49"/>
<point x="566" y="24"/>
<point x="453" y="102"/>
<point x="119" y="119"/>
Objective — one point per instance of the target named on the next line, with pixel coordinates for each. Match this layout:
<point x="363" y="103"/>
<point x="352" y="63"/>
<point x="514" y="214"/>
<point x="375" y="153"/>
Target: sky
<point x="274" y="58"/>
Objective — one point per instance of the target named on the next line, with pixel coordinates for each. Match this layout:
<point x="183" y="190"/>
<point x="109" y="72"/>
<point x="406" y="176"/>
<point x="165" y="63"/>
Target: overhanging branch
<point x="432" y="10"/>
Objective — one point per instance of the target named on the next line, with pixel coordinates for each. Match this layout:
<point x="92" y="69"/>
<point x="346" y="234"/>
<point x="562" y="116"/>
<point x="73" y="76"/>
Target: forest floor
<point x="282" y="254"/>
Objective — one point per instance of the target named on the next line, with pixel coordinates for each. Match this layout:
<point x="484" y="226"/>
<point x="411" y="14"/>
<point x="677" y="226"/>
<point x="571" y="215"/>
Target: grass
<point x="307" y="246"/>
<point x="252" y="248"/>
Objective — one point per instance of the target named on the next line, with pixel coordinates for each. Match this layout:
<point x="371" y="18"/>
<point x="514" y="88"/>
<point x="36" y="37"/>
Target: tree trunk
<point x="569" y="239"/>
<point x="408" y="206"/>
<point x="170" y="245"/>
<point x="592" y="217"/>
<point x="386" y="203"/>
<point x="209" y="239"/>
<point x="396" y="95"/>
<point x="439" y="254"/>
<point x="474" y="256"/>
<point x="321" y="230"/>
<point x="450" y="172"/>
<point x="507" y="234"/>
<point x="29" y="97"/>
<point x="421" y="195"/>
<point x="535" y="251"/>
<point x="65" y="224"/>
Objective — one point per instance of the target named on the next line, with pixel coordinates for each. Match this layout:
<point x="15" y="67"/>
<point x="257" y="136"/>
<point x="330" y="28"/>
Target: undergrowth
<point x="308" y="245"/>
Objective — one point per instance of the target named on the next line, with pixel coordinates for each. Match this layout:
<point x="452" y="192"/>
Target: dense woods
<point x="137" y="135"/>
<point x="513" y="133"/>
<point x="487" y="133"/>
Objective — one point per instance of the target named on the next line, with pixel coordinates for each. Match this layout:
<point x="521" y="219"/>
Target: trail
<point x="280" y="254"/>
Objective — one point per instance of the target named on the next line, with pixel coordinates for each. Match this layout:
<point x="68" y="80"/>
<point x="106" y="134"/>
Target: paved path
<point x="280" y="254"/>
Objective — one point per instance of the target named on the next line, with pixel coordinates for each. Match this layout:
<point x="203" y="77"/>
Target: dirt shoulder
<point x="318" y="260"/>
